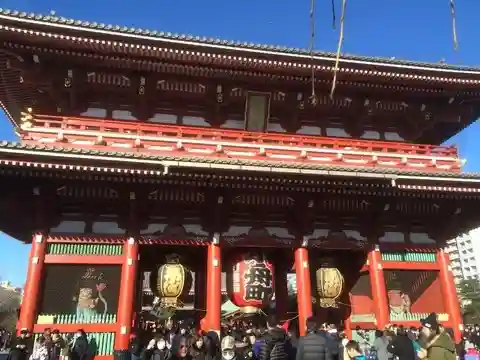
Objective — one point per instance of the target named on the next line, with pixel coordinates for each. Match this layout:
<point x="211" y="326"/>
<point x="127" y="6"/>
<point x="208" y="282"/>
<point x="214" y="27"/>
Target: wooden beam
<point x="403" y="265"/>
<point x="84" y="259"/>
<point x="352" y="91"/>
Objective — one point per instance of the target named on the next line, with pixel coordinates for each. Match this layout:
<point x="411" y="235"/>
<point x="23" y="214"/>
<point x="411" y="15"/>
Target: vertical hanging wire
<point x="454" y="24"/>
<point x="313" y="97"/>
<point x="339" y="49"/>
<point x="334" y="15"/>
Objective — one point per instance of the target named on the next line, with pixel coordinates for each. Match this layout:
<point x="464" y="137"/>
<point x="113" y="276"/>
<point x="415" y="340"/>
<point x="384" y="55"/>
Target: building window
<point x="257" y="111"/>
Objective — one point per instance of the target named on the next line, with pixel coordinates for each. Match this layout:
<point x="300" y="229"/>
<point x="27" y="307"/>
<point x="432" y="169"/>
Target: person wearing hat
<point x="438" y="345"/>
<point x="228" y="348"/>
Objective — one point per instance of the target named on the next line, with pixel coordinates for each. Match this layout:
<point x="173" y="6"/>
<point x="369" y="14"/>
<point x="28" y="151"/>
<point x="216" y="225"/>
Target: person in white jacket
<point x="40" y="351"/>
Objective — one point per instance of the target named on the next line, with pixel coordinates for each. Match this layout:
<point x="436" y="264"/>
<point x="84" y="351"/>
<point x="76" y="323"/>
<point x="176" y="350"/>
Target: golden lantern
<point x="329" y="286"/>
<point x="171" y="282"/>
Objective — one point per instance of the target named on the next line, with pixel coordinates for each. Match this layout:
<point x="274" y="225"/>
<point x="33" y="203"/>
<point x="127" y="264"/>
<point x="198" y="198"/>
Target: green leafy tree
<point x="469" y="294"/>
<point x="9" y="304"/>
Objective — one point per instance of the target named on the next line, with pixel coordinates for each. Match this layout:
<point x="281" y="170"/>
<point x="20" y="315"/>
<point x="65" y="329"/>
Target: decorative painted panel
<point x="413" y="293"/>
<point x="84" y="249"/>
<point x="82" y="294"/>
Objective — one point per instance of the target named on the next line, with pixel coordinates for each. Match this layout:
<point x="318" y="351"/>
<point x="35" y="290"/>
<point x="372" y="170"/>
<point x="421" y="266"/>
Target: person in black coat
<point x="79" y="349"/>
<point x="275" y="344"/>
<point x="135" y="346"/>
<point x="57" y="345"/>
<point x="18" y="352"/>
<point x="197" y="348"/>
<point x="401" y="346"/>
<point x="155" y="350"/>
<point x="212" y="346"/>
<point x="313" y="346"/>
<point x="21" y="346"/>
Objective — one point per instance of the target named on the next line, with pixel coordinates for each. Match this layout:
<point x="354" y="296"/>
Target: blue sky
<point x="408" y="29"/>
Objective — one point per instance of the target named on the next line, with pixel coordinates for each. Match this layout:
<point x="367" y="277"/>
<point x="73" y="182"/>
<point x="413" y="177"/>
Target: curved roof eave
<point x="52" y="21"/>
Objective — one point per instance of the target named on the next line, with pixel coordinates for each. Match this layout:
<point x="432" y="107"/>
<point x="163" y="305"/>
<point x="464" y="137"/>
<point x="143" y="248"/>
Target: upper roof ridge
<point x="53" y="20"/>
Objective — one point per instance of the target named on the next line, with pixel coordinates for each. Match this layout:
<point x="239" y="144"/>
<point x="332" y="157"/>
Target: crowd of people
<point x="268" y="340"/>
<point x="5" y="339"/>
<point x="50" y="346"/>
<point x="432" y="342"/>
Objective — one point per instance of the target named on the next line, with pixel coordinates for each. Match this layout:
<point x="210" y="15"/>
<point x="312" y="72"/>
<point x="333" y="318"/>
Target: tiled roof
<point x="30" y="152"/>
<point x="145" y="34"/>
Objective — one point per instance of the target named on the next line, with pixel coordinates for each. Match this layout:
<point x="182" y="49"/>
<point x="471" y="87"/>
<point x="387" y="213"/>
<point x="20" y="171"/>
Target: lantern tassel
<point x="339" y="49"/>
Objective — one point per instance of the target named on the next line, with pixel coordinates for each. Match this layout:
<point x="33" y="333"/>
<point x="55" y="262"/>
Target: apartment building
<point x="7" y="285"/>
<point x="464" y="252"/>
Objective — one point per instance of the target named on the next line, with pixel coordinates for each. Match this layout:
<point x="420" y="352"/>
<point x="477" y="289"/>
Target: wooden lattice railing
<point x="220" y="143"/>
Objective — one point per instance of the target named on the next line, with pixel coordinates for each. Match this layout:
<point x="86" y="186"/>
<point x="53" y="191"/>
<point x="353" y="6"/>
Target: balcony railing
<point x="184" y="141"/>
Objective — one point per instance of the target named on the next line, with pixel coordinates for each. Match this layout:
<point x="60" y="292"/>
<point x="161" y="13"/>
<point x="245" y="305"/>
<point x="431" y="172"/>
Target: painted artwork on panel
<point x="80" y="293"/>
<point x="413" y="294"/>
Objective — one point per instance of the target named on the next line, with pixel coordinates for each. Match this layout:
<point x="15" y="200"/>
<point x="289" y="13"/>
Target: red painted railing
<point x="155" y="129"/>
<point x="182" y="141"/>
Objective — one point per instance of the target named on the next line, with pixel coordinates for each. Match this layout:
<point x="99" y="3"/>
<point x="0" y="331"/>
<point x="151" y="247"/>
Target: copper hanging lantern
<point x="330" y="284"/>
<point x="172" y="281"/>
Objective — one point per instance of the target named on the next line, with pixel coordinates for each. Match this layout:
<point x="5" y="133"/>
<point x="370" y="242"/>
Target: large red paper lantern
<point x="251" y="282"/>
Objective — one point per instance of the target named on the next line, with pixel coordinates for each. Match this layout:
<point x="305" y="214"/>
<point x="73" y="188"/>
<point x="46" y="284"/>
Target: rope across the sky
<point x="313" y="97"/>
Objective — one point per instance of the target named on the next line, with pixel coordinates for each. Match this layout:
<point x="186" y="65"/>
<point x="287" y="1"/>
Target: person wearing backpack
<point x="275" y="344"/>
<point x="380" y="345"/>
<point x="313" y="346"/>
<point x="401" y="347"/>
<point x="439" y="345"/>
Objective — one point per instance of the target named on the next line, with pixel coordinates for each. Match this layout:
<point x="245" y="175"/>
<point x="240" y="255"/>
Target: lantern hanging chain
<point x="454" y="24"/>
<point x="339" y="49"/>
<point x="313" y="97"/>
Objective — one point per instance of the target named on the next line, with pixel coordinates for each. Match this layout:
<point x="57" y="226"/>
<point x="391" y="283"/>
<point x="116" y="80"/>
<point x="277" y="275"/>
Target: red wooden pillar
<point x="127" y="294"/>
<point x="281" y="288"/>
<point x="28" y="310"/>
<point x="214" y="288"/>
<point x="379" y="291"/>
<point x="304" y="288"/>
<point x="449" y="294"/>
